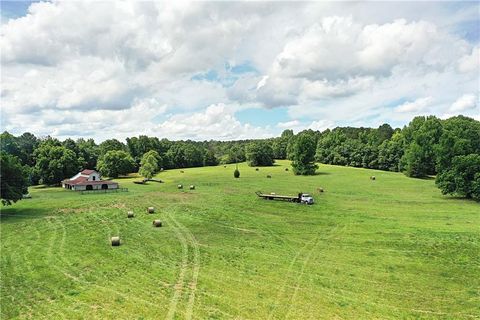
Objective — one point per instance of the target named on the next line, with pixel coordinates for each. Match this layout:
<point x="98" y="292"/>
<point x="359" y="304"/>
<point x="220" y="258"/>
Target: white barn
<point x="88" y="180"/>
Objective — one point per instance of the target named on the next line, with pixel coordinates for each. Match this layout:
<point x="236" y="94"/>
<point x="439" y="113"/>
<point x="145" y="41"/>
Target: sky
<point x="233" y="70"/>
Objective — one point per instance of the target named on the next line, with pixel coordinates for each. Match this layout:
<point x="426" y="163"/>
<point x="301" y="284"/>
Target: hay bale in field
<point x="161" y="169"/>
<point x="151" y="210"/>
<point x="192" y="187"/>
<point x="180" y="186"/>
<point x="130" y="214"/>
<point x="372" y="178"/>
<point x="269" y="176"/>
<point x="256" y="169"/>
<point x="157" y="223"/>
<point x="115" y="241"/>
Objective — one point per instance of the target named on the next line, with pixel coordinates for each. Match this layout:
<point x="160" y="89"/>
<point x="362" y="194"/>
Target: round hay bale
<point x="192" y="187"/>
<point x="256" y="169"/>
<point x="180" y="186"/>
<point x="130" y="214"/>
<point x="157" y="223"/>
<point x="115" y="241"/>
<point x="161" y="169"/>
<point x="151" y="210"/>
<point x="269" y="176"/>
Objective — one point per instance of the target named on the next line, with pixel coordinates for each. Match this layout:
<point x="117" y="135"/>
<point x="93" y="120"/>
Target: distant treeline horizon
<point x="426" y="146"/>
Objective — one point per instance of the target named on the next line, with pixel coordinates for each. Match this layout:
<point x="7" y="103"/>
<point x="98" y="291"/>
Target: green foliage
<point x="236" y="173"/>
<point x="149" y="165"/>
<point x="210" y="159"/>
<point x="13" y="179"/>
<point x="259" y="153"/>
<point x="111" y="145"/>
<point x="423" y="133"/>
<point x="461" y="136"/>
<point x="280" y="144"/>
<point x="303" y="155"/>
<point x="87" y="153"/>
<point x="234" y="154"/>
<point x="390" y="152"/>
<point x="184" y="155"/>
<point x="115" y="163"/>
<point x="462" y="178"/>
<point x="55" y="162"/>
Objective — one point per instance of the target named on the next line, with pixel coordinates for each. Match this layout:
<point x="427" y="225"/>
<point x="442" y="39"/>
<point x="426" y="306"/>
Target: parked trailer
<point x="300" y="198"/>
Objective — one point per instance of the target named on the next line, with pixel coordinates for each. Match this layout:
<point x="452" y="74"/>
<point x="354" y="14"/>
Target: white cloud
<point x="470" y="62"/>
<point x="217" y="121"/>
<point x="418" y="105"/>
<point x="465" y="102"/>
<point x="95" y="68"/>
<point x="298" y="126"/>
<point x="289" y="124"/>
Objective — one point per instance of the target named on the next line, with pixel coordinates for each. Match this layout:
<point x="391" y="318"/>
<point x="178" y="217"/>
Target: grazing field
<point x="392" y="247"/>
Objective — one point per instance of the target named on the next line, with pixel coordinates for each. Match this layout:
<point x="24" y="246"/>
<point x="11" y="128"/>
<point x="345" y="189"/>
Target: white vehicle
<point x="306" y="198"/>
<point x="300" y="198"/>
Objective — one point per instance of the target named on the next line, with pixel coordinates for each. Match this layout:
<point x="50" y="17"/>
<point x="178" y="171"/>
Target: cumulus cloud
<point x="470" y="62"/>
<point x="298" y="126"/>
<point x="109" y="68"/>
<point x="419" y="104"/>
<point x="217" y="121"/>
<point x="465" y="102"/>
<point x="289" y="124"/>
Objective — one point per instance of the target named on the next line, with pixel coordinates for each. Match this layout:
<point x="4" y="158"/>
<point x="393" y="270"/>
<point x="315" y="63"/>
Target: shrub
<point x="236" y="173"/>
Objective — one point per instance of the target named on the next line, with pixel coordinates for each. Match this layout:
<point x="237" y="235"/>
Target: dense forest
<point x="428" y="146"/>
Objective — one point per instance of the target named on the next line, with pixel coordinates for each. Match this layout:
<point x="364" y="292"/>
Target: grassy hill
<point x="389" y="248"/>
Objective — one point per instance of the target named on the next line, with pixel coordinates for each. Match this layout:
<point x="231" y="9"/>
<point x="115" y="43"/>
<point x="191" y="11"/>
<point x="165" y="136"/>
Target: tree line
<point x="427" y="146"/>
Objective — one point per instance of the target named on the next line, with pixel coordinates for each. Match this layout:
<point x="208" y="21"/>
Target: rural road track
<point x="187" y="240"/>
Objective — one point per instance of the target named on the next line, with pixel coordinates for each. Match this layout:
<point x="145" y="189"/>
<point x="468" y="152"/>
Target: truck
<point x="300" y="198"/>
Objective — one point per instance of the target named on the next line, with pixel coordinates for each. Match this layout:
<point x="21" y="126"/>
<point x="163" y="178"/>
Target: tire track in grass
<point x="83" y="283"/>
<point x="179" y="285"/>
<point x="304" y="264"/>
<point x="288" y="274"/>
<point x="195" y="268"/>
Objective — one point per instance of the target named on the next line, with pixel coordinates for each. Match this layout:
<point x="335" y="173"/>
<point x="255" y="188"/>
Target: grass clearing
<point x="392" y="247"/>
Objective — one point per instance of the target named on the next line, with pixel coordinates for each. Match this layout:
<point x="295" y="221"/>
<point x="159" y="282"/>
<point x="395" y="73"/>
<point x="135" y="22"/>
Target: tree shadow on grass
<point x="322" y="173"/>
<point x="459" y="198"/>
<point x="11" y="214"/>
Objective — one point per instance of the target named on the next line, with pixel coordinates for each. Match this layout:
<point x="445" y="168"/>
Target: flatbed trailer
<point x="278" y="197"/>
<point x="300" y="198"/>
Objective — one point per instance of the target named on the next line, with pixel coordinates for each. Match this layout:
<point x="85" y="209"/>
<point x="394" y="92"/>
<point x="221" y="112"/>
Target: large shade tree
<point x="115" y="163"/>
<point x="55" y="162"/>
<point x="303" y="155"/>
<point x="259" y="153"/>
<point x="462" y="178"/>
<point x="149" y="164"/>
<point x="13" y="179"/>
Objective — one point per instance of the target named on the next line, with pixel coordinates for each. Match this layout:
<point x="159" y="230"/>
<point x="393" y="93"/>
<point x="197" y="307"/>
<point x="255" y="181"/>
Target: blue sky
<point x="213" y="70"/>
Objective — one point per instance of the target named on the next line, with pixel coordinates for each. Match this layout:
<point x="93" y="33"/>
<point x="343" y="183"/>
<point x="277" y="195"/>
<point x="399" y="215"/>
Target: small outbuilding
<point x="88" y="180"/>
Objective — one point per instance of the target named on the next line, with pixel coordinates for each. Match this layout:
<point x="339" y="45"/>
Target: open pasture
<point x="392" y="247"/>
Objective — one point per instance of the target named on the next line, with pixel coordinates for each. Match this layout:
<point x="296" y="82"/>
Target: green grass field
<point x="384" y="249"/>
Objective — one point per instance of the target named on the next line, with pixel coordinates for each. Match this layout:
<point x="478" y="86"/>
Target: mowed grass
<point x="389" y="248"/>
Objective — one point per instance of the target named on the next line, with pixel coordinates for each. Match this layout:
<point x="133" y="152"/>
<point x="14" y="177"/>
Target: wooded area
<point x="449" y="149"/>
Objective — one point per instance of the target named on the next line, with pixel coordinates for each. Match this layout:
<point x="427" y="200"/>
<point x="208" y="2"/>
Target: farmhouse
<point x="88" y="180"/>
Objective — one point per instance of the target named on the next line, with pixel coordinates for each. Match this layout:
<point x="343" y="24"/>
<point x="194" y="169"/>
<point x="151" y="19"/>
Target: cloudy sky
<point x="232" y="70"/>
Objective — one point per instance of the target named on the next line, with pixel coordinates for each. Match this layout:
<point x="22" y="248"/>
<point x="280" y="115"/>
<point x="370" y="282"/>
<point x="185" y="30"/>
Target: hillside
<point x="389" y="248"/>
